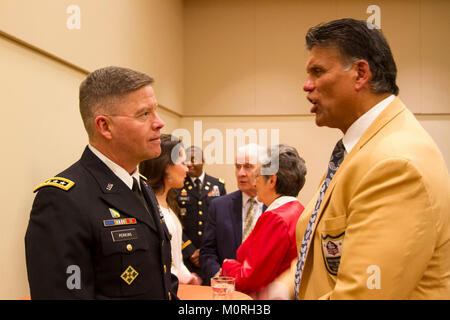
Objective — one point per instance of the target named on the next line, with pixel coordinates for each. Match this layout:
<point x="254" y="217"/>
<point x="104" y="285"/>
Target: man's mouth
<point x="314" y="105"/>
<point x="156" y="139"/>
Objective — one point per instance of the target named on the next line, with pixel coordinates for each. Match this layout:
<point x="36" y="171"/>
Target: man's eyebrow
<point x="313" y="66"/>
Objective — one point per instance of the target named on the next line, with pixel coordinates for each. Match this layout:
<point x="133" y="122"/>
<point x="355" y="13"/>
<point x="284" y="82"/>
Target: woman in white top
<point x="165" y="174"/>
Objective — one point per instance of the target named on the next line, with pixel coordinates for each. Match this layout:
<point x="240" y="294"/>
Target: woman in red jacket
<point x="271" y="246"/>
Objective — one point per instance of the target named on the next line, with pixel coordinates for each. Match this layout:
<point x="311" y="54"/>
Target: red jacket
<point x="269" y="249"/>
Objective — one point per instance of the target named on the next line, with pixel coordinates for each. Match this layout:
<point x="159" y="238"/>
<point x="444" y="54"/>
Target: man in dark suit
<point x="95" y="230"/>
<point x="194" y="199"/>
<point x="232" y="217"/>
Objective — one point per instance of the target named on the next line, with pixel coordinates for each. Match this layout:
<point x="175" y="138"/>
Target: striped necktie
<point x="249" y="219"/>
<point x="335" y="161"/>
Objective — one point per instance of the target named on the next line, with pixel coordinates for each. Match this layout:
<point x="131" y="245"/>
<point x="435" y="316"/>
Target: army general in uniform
<point x="193" y="199"/>
<point x="95" y="230"/>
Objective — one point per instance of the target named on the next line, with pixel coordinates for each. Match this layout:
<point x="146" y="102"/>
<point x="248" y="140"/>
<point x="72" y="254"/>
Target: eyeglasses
<point x="141" y="117"/>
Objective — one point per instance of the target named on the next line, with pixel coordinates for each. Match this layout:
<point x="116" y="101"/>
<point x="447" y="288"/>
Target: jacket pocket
<point x="333" y="225"/>
<point x="332" y="233"/>
<point x="125" y="252"/>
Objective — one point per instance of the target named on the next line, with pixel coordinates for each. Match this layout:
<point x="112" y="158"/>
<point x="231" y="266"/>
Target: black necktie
<point x="198" y="184"/>
<point x="137" y="191"/>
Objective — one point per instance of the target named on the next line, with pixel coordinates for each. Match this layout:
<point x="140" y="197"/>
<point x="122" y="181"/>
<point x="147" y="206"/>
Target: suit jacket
<point x="96" y="240"/>
<point x="383" y="228"/>
<point x="223" y="233"/>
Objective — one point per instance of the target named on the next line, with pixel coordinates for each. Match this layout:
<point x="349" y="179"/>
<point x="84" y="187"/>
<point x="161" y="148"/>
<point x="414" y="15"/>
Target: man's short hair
<point x="102" y="87"/>
<point x="356" y="41"/>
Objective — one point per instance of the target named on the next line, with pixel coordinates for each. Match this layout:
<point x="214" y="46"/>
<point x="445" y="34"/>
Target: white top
<point x="245" y="204"/>
<point x="356" y="130"/>
<point x="278" y="202"/>
<point x="118" y="170"/>
<point x="176" y="231"/>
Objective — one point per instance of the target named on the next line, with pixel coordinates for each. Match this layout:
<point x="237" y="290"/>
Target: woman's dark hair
<point x="291" y="169"/>
<point x="155" y="169"/>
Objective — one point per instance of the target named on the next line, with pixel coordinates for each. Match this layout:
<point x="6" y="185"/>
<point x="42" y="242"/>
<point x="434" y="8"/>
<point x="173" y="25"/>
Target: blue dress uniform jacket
<point x="96" y="240"/>
<point x="194" y="212"/>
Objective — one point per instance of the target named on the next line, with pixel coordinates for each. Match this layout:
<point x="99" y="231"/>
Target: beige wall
<point x="142" y="34"/>
<point x="219" y="62"/>
<point x="43" y="134"/>
<point x="247" y="56"/>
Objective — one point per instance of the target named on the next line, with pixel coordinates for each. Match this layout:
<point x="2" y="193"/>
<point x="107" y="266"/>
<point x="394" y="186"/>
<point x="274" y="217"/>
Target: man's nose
<point x="157" y="124"/>
<point x="242" y="172"/>
<point x="308" y="86"/>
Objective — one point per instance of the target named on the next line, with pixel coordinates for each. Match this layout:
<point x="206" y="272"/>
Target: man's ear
<point x="363" y="74"/>
<point x="103" y="126"/>
<point x="273" y="180"/>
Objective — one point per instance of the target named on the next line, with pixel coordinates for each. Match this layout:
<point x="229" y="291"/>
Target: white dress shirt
<point x="201" y="177"/>
<point x="118" y="170"/>
<point x="356" y="130"/>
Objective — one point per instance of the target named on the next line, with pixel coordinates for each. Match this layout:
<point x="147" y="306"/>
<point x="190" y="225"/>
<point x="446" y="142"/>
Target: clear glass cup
<point x="222" y="288"/>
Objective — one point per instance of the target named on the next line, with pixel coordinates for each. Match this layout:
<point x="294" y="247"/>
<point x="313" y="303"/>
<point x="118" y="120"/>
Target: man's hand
<point x="195" y="258"/>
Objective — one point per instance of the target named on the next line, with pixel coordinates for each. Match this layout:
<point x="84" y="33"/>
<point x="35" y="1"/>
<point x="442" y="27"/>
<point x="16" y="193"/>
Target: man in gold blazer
<point x="379" y="225"/>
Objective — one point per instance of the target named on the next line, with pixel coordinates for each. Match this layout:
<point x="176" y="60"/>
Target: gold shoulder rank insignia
<point x="143" y="177"/>
<point x="221" y="181"/>
<point x="57" y="182"/>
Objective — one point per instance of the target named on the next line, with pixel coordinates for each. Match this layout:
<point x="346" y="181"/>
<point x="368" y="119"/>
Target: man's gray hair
<point x="256" y="154"/>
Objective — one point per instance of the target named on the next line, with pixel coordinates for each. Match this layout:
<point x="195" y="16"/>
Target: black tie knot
<point x="198" y="183"/>
<point x="135" y="187"/>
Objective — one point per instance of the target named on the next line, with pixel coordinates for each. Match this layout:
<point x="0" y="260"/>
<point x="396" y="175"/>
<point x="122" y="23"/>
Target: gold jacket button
<point x="200" y="212"/>
<point x="200" y="203"/>
<point x="129" y="247"/>
<point x="200" y="223"/>
<point x="199" y="233"/>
